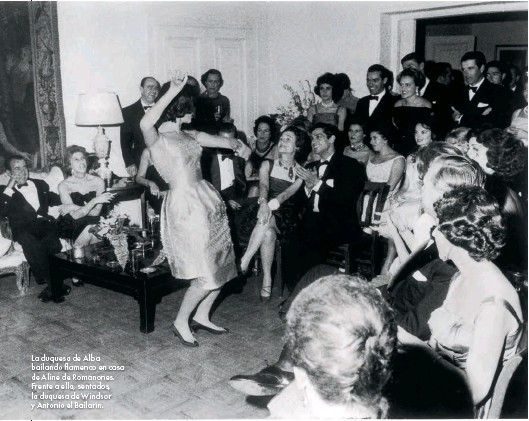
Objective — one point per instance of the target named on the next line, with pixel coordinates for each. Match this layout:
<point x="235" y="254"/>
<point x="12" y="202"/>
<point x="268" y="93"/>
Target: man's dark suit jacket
<point x="487" y="96"/>
<point x="336" y="222"/>
<point x="382" y="114"/>
<point x="439" y="96"/>
<point x="20" y="213"/>
<point x="131" y="137"/>
<point x="211" y="173"/>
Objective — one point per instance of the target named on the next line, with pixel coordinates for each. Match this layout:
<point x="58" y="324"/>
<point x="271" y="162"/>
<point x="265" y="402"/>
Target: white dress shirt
<point x="477" y="85"/>
<point x="373" y="104"/>
<point x="227" y="176"/>
<point x="321" y="170"/>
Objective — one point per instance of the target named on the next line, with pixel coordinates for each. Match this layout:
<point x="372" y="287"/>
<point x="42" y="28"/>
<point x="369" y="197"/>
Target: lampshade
<point x="98" y="109"/>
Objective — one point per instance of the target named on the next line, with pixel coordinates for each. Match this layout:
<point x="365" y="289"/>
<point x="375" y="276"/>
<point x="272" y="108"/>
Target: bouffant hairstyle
<point x="430" y="124"/>
<point x="470" y="218"/>
<point x="70" y="150"/>
<point x="183" y="103"/>
<point x="302" y="142"/>
<point x="418" y="77"/>
<point x="329" y="79"/>
<point x="342" y="333"/>
<point x="449" y="171"/>
<point x="385" y="130"/>
<point x="271" y="124"/>
<point x="506" y="154"/>
<point x="204" y="77"/>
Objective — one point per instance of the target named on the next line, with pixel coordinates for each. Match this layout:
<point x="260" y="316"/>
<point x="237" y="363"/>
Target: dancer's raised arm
<point x="150" y="134"/>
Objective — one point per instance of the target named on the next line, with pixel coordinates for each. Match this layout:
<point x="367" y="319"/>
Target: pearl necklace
<point x="330" y="104"/>
<point x="358" y="148"/>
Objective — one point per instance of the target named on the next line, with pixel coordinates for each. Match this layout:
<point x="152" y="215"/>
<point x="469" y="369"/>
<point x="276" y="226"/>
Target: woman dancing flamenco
<point x="194" y="226"/>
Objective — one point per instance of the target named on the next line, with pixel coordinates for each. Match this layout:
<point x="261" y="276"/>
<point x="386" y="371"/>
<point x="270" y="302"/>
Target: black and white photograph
<point x="263" y="209"/>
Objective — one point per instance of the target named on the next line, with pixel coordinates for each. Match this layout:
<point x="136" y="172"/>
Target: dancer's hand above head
<point x="178" y="79"/>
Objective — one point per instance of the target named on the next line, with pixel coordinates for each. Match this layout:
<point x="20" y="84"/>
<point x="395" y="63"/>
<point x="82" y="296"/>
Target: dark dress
<point x="405" y="119"/>
<point x="70" y="228"/>
<point x="287" y="216"/>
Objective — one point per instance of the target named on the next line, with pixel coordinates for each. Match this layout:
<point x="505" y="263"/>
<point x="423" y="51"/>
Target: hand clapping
<point x="310" y="177"/>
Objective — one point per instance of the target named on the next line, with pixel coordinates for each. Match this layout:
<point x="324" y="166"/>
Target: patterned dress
<point x="194" y="226"/>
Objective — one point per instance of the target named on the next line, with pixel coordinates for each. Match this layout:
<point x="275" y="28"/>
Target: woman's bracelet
<point x="261" y="200"/>
<point x="274" y="204"/>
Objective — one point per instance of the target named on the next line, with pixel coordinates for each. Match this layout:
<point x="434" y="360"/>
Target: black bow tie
<point x="22" y="185"/>
<point x="472" y="88"/>
<point x="320" y="163"/>
<point x="146" y="107"/>
<point x="373" y="97"/>
<point x="225" y="156"/>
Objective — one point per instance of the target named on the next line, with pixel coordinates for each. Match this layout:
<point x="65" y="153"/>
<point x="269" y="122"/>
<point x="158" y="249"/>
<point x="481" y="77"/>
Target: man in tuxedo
<point x="377" y="107"/>
<point x="131" y="137"/>
<point x="331" y="189"/>
<point x="480" y="103"/>
<point x="25" y="202"/>
<point x="433" y="91"/>
<point x="226" y="172"/>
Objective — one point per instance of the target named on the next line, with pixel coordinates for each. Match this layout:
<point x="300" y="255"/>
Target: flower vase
<point x="121" y="248"/>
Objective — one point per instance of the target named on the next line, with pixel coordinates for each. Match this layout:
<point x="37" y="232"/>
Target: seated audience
<point x="212" y="107"/>
<point x="342" y="336"/>
<point x="327" y="111"/>
<point x="25" y="202"/>
<point x="149" y="177"/>
<point x="357" y="149"/>
<point x="264" y="147"/>
<point x="497" y="74"/>
<point x="482" y="310"/>
<point x="458" y="137"/>
<point x="276" y="211"/>
<point x="386" y="165"/>
<point x="82" y="197"/>
<point x="518" y="125"/>
<point x="503" y="158"/>
<point x="404" y="207"/>
<point x="409" y="109"/>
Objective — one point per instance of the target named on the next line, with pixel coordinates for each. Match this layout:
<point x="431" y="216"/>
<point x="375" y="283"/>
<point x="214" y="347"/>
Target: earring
<point x="417" y="92"/>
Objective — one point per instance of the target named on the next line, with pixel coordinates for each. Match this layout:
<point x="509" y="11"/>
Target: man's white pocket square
<point x="482" y="105"/>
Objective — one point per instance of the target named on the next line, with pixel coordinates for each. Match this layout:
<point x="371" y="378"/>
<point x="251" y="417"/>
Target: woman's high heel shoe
<point x="77" y="282"/>
<point x="266" y="298"/>
<point x="193" y="344"/>
<point x="199" y="326"/>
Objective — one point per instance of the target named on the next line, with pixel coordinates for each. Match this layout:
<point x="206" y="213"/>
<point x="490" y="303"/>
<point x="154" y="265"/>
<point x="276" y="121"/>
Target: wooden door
<point x="195" y="49"/>
<point x="449" y="49"/>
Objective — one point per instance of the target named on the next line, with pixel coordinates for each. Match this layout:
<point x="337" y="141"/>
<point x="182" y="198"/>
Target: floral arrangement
<point x="116" y="229"/>
<point x="296" y="110"/>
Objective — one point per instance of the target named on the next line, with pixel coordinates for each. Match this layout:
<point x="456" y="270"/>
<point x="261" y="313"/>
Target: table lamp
<point x="99" y="109"/>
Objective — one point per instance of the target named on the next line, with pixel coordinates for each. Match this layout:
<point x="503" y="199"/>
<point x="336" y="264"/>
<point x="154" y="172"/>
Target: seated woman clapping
<point x="82" y="196"/>
<point x="273" y="212"/>
<point x="342" y="335"/>
<point x="478" y="327"/>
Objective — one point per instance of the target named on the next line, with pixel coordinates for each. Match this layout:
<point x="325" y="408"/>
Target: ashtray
<point x="148" y="270"/>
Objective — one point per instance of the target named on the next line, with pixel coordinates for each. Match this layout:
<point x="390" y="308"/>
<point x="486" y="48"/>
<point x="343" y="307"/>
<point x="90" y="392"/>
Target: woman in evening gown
<point x="275" y="212"/>
<point x="194" y="226"/>
<point x="409" y="110"/>
<point x="82" y="197"/>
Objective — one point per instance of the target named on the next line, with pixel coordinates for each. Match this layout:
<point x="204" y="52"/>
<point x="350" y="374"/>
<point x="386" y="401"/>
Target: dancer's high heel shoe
<point x="77" y="282"/>
<point x="265" y="298"/>
<point x="199" y="326"/>
<point x="193" y="344"/>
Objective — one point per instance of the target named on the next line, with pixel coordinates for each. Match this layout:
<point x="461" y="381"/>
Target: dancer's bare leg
<point x="256" y="239"/>
<point x="392" y="253"/>
<point x="192" y="297"/>
<point x="267" y="258"/>
<point x="204" y="309"/>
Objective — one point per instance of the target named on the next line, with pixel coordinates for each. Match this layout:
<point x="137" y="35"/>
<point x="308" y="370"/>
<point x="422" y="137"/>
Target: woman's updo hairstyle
<point x="183" y="103"/>
<point x="385" y="130"/>
<point x="418" y="77"/>
<point x="342" y="333"/>
<point x="329" y="79"/>
<point x="70" y="151"/>
<point x="506" y="154"/>
<point x="271" y="124"/>
<point x="302" y="142"/>
<point x="470" y="218"/>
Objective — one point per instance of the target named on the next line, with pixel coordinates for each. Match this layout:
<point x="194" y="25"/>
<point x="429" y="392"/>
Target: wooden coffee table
<point x="147" y="289"/>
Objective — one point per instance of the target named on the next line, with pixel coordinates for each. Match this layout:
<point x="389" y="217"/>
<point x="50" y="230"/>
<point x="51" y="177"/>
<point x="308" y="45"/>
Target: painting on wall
<point x="31" y="114"/>
<point x="512" y="54"/>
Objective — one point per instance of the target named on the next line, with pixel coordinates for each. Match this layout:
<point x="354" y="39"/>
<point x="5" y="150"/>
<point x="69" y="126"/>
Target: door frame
<point x="398" y="29"/>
